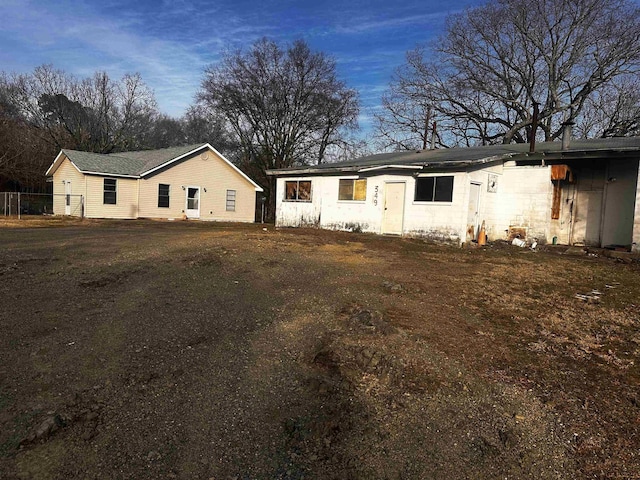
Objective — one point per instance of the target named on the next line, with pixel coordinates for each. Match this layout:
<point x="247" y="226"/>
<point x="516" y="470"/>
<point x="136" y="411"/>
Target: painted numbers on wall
<point x="375" y="196"/>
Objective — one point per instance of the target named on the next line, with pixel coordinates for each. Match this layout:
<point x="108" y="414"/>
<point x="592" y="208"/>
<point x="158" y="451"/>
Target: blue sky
<point x="171" y="42"/>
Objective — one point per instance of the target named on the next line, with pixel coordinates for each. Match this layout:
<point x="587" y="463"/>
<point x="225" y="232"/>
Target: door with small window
<point x="193" y="202"/>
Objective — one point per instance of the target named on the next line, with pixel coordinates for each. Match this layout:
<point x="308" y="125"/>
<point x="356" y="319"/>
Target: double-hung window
<point x="231" y="200"/>
<point x="109" y="194"/>
<point x="355" y="189"/>
<point x="163" y="195"/>
<point x="434" y="189"/>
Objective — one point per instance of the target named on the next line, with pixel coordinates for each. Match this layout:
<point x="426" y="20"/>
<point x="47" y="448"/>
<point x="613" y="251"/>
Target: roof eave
<point x="106" y="174"/>
<point x="51" y="170"/>
<point x="257" y="187"/>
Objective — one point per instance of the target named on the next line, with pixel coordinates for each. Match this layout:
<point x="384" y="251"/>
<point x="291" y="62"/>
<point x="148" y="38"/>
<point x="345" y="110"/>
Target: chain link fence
<point x="18" y="204"/>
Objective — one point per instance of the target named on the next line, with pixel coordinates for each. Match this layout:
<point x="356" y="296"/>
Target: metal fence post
<point x="19" y="206"/>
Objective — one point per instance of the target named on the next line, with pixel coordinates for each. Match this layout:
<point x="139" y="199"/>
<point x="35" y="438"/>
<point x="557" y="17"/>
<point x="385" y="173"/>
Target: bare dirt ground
<point x="188" y="350"/>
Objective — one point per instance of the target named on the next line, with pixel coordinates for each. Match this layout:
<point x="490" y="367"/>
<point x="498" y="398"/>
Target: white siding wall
<point x="443" y="221"/>
<point x="438" y="220"/>
<point x="523" y="199"/>
<point x="126" y="198"/>
<point x="66" y="172"/>
<point x="212" y="174"/>
<point x="296" y="213"/>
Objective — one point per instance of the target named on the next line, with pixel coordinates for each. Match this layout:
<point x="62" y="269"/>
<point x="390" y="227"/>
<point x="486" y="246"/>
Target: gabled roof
<point x="463" y="157"/>
<point x="135" y="164"/>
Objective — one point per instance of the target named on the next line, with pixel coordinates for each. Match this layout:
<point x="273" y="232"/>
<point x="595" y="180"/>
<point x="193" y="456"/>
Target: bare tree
<point x="484" y="74"/>
<point x="94" y="114"/>
<point x="203" y="125"/>
<point x="48" y="109"/>
<point x="284" y="105"/>
<point x="612" y="111"/>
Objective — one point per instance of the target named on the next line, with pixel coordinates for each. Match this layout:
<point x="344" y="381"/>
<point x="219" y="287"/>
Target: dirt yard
<point x="133" y="350"/>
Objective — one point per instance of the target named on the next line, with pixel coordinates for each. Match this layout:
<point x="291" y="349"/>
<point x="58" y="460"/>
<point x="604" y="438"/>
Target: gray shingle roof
<point x="131" y="164"/>
<point x="450" y="157"/>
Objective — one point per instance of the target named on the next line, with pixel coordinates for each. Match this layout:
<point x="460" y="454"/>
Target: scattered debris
<point x="518" y="242"/>
<point x="589" y="298"/>
<point x="392" y="287"/>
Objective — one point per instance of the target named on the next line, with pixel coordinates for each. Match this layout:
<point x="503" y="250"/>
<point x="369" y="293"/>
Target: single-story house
<point x="193" y="181"/>
<point x="582" y="193"/>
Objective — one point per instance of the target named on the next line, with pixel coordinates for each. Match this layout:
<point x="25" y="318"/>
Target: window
<point x="163" y="195"/>
<point x="434" y="189"/>
<point x="298" y="190"/>
<point x="231" y="200"/>
<point x="109" y="194"/>
<point x="193" y="198"/>
<point x="353" y="190"/>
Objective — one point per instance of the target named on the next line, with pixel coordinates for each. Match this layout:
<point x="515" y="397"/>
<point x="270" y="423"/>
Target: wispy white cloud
<point x="356" y="26"/>
<point x="80" y="40"/>
<point x="170" y="42"/>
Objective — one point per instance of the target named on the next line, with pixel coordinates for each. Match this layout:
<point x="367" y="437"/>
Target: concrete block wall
<point x="523" y="200"/>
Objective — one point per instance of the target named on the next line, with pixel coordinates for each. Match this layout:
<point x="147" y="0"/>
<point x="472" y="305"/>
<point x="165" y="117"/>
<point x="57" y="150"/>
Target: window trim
<point x="353" y="190"/>
<point x="227" y="200"/>
<point x="433" y="201"/>
<point x="297" y="199"/>
<point x="105" y="191"/>
<point x="167" y="196"/>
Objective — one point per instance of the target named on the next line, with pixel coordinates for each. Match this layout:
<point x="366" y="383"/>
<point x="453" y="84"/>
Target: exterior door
<point x="619" y="203"/>
<point x="472" y="215"/>
<point x="193" y="202"/>
<point x="587" y="207"/>
<point x="67" y="197"/>
<point x="393" y="215"/>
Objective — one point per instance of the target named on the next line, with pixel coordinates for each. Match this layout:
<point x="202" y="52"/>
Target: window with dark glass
<point x="298" y="190"/>
<point x="352" y="189"/>
<point x="163" y="195"/>
<point x="109" y="191"/>
<point x="434" y="189"/>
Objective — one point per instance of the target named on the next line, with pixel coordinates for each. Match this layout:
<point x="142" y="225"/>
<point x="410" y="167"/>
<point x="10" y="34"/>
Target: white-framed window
<point x="434" y="189"/>
<point x="352" y="189"/>
<point x="297" y="191"/>
<point x="163" y="195"/>
<point x="231" y="200"/>
<point x="109" y="193"/>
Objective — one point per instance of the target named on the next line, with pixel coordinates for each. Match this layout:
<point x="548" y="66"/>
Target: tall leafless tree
<point x="493" y="62"/>
<point x="612" y="111"/>
<point x="95" y="114"/>
<point x="284" y="104"/>
<point x="48" y="109"/>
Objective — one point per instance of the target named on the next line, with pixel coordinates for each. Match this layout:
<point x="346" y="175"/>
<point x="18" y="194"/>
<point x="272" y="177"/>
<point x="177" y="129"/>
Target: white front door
<point x="193" y="202"/>
<point x="472" y="215"/>
<point x="393" y="214"/>
<point x="67" y="197"/>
